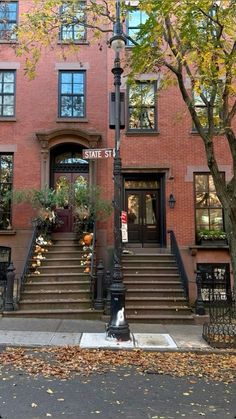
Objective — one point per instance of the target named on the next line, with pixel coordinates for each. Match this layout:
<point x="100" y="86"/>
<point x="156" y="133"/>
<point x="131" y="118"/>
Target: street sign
<point x="98" y="153"/>
<point x="124" y="227"/>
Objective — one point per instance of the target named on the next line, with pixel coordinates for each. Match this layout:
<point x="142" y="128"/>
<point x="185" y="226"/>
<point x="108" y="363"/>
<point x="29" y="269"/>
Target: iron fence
<point x="220" y="331"/>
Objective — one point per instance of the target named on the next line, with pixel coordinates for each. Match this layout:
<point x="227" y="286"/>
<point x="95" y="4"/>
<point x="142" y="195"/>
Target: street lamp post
<point x="118" y="327"/>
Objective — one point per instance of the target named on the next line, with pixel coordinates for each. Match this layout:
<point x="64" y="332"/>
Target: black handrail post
<point x="176" y="252"/>
<point x="99" y="303"/>
<point x="199" y="306"/>
<point x="9" y="304"/>
<point x="108" y="282"/>
<point x="92" y="267"/>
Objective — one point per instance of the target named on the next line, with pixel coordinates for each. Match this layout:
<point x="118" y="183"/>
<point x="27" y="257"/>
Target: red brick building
<point x="47" y="122"/>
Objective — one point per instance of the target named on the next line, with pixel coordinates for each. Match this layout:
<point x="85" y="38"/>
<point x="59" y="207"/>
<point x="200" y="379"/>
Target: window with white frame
<point x="7" y="93"/>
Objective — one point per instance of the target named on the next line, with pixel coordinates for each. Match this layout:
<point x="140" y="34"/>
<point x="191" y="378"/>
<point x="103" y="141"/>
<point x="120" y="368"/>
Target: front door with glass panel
<point x="69" y="170"/>
<point x="143" y="215"/>
<point x="68" y="181"/>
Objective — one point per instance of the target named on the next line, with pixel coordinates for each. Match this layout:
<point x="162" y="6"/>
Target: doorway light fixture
<point x="172" y="201"/>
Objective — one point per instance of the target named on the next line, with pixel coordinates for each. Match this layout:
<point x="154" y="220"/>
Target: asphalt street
<point x="124" y="393"/>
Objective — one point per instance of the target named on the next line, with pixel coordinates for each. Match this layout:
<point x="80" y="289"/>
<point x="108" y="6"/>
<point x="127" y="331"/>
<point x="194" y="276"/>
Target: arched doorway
<point x="61" y="160"/>
<point x="68" y="168"/>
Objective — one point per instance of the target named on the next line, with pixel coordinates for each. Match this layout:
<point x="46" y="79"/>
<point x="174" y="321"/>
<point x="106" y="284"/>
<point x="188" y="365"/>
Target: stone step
<point x="55" y="294"/>
<point x="147" y="270"/>
<point x="151" y="263"/>
<point x="161" y="319"/>
<point x="152" y="300"/>
<point x="65" y="247"/>
<point x="148" y="257"/>
<point x="152" y="292"/>
<point x="74" y="254"/>
<point x="61" y="269"/>
<point x="62" y="236"/>
<point x="55" y="304"/>
<point x="56" y="262"/>
<point x="144" y="277"/>
<point x="83" y="286"/>
<point x="156" y="310"/>
<point x="154" y="285"/>
<point x="66" y="241"/>
<point x="83" y="314"/>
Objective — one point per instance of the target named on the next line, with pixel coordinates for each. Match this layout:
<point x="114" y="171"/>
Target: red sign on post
<point x="124" y="227"/>
<point x="123" y="217"/>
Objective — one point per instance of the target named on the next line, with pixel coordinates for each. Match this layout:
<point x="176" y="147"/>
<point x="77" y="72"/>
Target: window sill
<point x="7" y="232"/>
<point x="72" y="42"/>
<point x="141" y="133"/>
<point x="7" y="119"/>
<point x="8" y="41"/>
<point x="82" y="120"/>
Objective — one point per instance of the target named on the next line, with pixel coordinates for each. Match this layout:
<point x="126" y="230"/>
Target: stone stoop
<point x="62" y="289"/>
<point x="154" y="292"/>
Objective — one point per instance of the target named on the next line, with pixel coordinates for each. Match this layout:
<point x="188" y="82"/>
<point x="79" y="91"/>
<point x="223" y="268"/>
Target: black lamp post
<point x="118" y="327"/>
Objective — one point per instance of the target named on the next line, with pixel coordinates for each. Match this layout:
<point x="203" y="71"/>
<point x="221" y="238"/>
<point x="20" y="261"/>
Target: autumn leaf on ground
<point x="65" y="362"/>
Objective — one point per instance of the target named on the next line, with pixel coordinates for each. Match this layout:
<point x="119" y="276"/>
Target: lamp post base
<point x="118" y="327"/>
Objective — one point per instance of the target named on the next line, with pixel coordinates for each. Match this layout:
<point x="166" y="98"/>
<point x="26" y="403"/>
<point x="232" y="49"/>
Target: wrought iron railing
<point x="220" y="330"/>
<point x="93" y="266"/>
<point x="28" y="261"/>
<point x="176" y="252"/>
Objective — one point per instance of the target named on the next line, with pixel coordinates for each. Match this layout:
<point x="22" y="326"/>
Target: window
<point x="206" y="23"/>
<point x="202" y="109"/>
<point x="136" y="18"/>
<point x="142" y="106"/>
<point x="72" y="94"/>
<point x="8" y="19"/>
<point x="7" y="93"/>
<point x="208" y="209"/>
<point x="73" y="31"/>
<point x="6" y="173"/>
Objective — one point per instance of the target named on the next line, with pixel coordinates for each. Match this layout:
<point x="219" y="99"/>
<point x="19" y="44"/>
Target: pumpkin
<point x="88" y="239"/>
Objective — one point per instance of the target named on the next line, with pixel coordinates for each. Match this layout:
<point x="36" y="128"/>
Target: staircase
<point x="62" y="289"/>
<point x="154" y="291"/>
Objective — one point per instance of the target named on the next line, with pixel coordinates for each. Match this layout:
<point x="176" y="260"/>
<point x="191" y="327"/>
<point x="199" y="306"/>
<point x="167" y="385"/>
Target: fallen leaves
<point x="49" y="391"/>
<point x="64" y="362"/>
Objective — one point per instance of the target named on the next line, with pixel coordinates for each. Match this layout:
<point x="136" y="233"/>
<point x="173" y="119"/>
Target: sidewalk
<point x="91" y="334"/>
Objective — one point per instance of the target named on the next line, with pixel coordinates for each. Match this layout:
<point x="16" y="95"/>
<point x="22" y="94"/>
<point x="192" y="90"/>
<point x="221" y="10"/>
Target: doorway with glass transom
<point x="145" y="210"/>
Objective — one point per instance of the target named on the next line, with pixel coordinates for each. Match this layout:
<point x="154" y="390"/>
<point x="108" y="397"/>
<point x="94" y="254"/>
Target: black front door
<point x="142" y="207"/>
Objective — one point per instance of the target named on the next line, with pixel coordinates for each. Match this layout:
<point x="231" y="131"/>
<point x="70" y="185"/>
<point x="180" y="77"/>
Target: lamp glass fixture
<point x="117" y="43"/>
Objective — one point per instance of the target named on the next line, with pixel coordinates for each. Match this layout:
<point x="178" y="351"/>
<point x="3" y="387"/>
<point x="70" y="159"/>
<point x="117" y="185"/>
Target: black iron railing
<point x="28" y="261"/>
<point x="93" y="266"/>
<point x="220" y="330"/>
<point x="176" y="252"/>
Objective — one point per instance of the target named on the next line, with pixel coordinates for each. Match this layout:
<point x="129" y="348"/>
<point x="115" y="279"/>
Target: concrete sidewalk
<point x="91" y="334"/>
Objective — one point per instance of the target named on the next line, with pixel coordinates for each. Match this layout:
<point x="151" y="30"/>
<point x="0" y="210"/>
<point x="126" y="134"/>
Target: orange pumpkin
<point x="88" y="239"/>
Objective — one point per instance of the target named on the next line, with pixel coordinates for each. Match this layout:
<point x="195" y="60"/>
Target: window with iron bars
<point x="215" y="281"/>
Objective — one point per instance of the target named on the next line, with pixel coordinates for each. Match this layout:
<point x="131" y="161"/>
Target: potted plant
<point x="212" y="237"/>
<point x="88" y="207"/>
<point x="44" y="202"/>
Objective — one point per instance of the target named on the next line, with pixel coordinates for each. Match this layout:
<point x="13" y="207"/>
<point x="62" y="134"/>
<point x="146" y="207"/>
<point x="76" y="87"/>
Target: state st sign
<point x="98" y="153"/>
